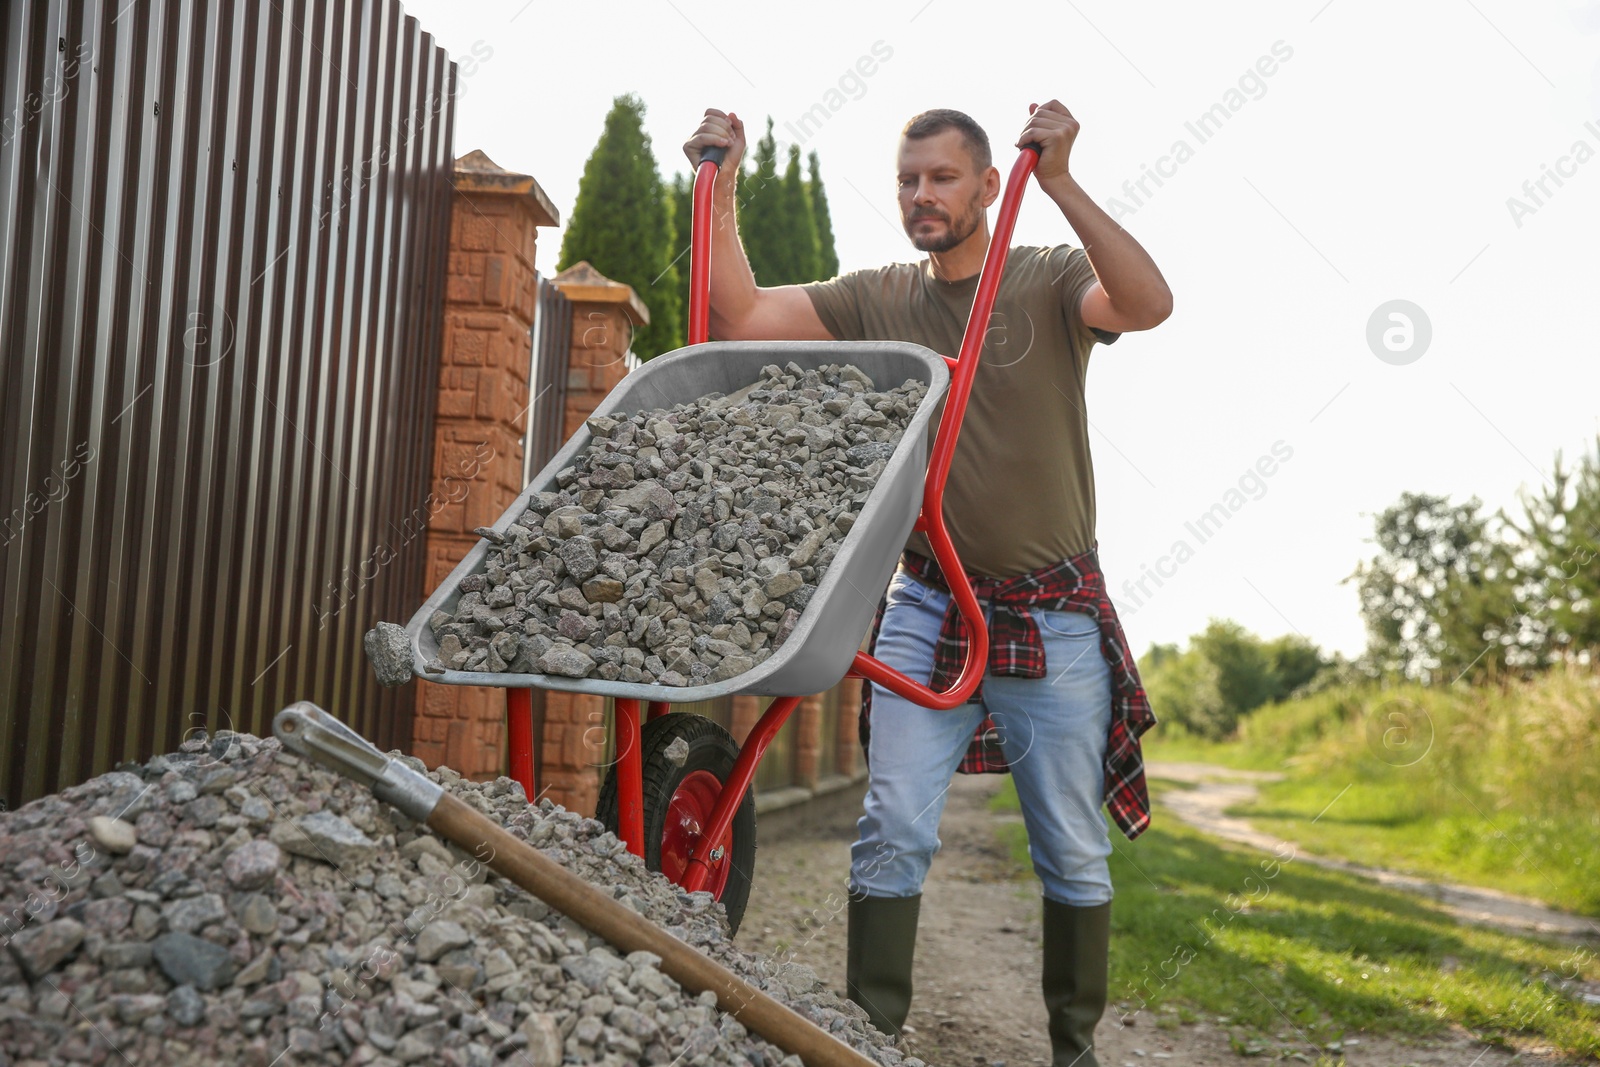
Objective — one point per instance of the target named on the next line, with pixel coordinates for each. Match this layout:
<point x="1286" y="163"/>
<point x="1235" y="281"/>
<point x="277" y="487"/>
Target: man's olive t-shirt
<point x="1020" y="493"/>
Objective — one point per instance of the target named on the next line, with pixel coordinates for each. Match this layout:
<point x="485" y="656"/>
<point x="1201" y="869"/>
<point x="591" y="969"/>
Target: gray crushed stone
<point x="266" y="911"/>
<point x="389" y="650"/>
<point x="681" y="547"/>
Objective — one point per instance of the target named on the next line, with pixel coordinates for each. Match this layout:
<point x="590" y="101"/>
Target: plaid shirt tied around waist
<point x="1016" y="649"/>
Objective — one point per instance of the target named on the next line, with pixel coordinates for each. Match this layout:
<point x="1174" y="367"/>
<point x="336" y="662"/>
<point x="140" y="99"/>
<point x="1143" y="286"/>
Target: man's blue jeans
<point x="1053" y="735"/>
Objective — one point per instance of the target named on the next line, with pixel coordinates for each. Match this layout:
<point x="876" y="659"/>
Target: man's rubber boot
<point x="882" y="938"/>
<point x="1077" y="943"/>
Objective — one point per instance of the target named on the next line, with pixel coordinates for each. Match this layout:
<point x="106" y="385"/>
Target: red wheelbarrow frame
<point x="713" y="842"/>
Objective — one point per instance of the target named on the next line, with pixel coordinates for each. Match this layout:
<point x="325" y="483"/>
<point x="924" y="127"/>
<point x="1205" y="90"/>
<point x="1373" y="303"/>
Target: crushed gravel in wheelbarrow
<point x="680" y="548"/>
<point x="233" y="904"/>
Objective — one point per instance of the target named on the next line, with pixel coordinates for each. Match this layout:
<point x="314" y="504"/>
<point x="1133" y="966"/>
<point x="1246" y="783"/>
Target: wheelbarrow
<point x="691" y="814"/>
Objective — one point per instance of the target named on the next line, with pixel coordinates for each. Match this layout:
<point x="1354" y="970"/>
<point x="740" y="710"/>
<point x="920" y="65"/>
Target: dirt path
<point x="978" y="958"/>
<point x="1216" y="789"/>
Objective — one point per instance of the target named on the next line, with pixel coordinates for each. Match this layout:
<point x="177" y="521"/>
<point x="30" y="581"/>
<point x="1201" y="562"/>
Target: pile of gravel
<point x="234" y="904"/>
<point x="683" y="544"/>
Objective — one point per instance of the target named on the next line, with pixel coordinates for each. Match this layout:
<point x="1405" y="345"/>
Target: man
<point x="1061" y="699"/>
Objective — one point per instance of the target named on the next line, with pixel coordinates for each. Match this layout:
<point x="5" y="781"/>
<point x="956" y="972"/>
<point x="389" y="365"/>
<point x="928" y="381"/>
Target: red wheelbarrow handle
<point x="705" y="177"/>
<point x="962" y="371"/>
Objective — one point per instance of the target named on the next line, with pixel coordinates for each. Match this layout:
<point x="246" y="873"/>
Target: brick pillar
<point x="849" y="739"/>
<point x="808" y="740"/>
<point x="574" y="750"/>
<point x="747" y="710"/>
<point x="479" y="424"/>
<point x="604" y="314"/>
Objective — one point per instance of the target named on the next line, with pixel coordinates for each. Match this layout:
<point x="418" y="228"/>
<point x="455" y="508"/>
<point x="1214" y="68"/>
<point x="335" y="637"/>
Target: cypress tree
<point x="682" y="219"/>
<point x="622" y="224"/>
<point x="761" y="214"/>
<point x="802" y="257"/>
<point x="827" y="257"/>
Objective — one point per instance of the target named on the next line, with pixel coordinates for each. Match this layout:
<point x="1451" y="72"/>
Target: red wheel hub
<point x="688" y="812"/>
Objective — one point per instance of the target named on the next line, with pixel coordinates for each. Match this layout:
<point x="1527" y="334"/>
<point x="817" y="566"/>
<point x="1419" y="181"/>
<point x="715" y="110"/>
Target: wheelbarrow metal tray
<point x="829" y="631"/>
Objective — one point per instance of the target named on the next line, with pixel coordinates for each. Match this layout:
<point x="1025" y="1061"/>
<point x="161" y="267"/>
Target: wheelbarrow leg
<point x="733" y="790"/>
<point x="630" y="777"/>
<point x="658" y="708"/>
<point x="519" y="737"/>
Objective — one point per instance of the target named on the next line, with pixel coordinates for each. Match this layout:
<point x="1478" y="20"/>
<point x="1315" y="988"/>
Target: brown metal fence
<point x="223" y="230"/>
<point x="552" y="348"/>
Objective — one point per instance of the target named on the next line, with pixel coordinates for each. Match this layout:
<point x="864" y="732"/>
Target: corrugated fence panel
<point x="552" y="347"/>
<point x="223" y="234"/>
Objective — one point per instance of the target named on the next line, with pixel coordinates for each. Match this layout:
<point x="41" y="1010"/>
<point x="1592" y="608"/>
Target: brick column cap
<point x="475" y="172"/>
<point x="582" y="284"/>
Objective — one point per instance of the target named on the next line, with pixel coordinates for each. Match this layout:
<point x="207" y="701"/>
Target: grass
<point x="1491" y="786"/>
<point x="1173" y="745"/>
<point x="1433" y="827"/>
<point x="1300" y="956"/>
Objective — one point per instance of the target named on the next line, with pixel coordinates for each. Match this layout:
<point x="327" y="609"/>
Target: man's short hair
<point x="941" y="119"/>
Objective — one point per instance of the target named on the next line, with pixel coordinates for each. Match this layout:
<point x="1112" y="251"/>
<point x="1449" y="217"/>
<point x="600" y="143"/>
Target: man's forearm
<point x="733" y="283"/>
<point x="1131" y="279"/>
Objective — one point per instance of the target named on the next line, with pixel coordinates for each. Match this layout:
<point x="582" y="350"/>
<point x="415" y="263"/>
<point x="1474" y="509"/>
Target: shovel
<point x="307" y="730"/>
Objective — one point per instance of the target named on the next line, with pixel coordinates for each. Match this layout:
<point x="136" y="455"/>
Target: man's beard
<point x="956" y="230"/>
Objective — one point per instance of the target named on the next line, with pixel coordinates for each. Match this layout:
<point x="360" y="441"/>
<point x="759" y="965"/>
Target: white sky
<point x="1376" y="165"/>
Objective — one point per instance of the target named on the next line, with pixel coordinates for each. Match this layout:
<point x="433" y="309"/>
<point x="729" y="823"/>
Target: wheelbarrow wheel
<point x="678" y="799"/>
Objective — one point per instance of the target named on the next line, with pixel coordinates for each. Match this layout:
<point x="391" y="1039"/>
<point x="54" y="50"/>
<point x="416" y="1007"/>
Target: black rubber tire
<point x="711" y="748"/>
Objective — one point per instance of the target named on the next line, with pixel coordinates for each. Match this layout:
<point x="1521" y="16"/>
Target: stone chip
<point x="324" y="836"/>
